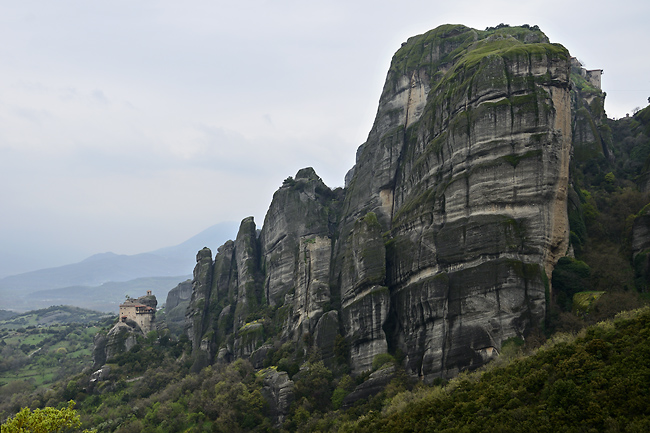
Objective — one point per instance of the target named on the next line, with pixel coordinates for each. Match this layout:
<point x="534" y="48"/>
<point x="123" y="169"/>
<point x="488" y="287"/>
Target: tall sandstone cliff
<point x="441" y="245"/>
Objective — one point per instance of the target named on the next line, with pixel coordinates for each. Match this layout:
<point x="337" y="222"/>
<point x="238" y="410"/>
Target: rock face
<point x="441" y="245"/>
<point x="376" y="382"/>
<point x="178" y="299"/>
<point x="591" y="137"/>
<point x="278" y="392"/>
<point x="121" y="338"/>
<point x="99" y="350"/>
<point x="179" y="296"/>
<point x="365" y="299"/>
<point x="473" y="192"/>
<point x="284" y="268"/>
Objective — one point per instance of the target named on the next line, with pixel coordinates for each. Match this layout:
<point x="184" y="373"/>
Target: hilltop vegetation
<point x="5" y="314"/>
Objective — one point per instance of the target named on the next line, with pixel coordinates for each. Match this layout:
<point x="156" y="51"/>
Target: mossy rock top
<point x="464" y="46"/>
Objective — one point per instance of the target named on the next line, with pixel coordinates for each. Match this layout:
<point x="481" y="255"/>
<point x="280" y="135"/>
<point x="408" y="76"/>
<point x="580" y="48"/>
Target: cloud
<point x="99" y="97"/>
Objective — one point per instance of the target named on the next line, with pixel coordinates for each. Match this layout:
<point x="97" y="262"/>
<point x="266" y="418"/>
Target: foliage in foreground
<point x="599" y="382"/>
<point x="43" y="420"/>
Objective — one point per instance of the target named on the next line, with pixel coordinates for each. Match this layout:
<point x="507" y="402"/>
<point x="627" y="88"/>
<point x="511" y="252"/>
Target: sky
<point x="130" y="126"/>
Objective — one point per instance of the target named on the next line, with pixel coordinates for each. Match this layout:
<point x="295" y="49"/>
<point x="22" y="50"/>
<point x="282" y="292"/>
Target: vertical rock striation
<point x="297" y="247"/>
<point x="443" y="240"/>
<point x="364" y="295"/>
<point x="281" y="271"/>
<point x="178" y="299"/>
<point x="474" y="196"/>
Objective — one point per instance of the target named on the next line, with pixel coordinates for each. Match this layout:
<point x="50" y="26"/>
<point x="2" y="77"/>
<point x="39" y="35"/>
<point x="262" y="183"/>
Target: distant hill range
<point x="55" y="315"/>
<point x="101" y="281"/>
<point x="4" y="314"/>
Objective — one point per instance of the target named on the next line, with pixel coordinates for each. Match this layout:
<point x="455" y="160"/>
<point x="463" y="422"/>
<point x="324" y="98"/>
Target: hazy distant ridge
<point x="96" y="270"/>
<point x="101" y="268"/>
<point x="106" y="269"/>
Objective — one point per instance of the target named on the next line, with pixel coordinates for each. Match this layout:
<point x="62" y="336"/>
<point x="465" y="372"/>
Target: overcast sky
<point x="127" y="126"/>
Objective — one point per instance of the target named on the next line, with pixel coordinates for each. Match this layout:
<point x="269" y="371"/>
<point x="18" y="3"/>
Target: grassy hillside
<point x="42" y="347"/>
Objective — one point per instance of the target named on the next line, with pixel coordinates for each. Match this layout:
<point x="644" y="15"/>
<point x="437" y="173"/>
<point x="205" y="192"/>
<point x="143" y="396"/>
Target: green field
<point x="42" y="346"/>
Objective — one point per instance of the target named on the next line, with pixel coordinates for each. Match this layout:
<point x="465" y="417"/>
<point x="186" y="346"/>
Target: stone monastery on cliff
<point x="143" y="315"/>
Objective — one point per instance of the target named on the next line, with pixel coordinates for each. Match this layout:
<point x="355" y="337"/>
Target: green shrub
<point x="382" y="359"/>
<point x="569" y="277"/>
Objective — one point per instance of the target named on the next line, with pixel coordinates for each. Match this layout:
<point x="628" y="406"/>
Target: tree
<point x="46" y="420"/>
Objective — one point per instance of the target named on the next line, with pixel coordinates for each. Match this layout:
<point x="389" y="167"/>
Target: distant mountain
<point x="101" y="268"/>
<point x="213" y="237"/>
<point x="106" y="297"/>
<point x="94" y="271"/>
<point x="53" y="286"/>
<point x="5" y="314"/>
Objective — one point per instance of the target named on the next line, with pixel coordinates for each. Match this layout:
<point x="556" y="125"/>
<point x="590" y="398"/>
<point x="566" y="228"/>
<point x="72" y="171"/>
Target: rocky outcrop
<point x="325" y="333"/>
<point x="640" y="133"/>
<point x="441" y="245"/>
<point x="278" y="392"/>
<point x="100" y="374"/>
<point x="99" y="350"/>
<point x="296" y="244"/>
<point x="376" y="382"/>
<point x="471" y="191"/>
<point x="247" y="255"/>
<point x="592" y="139"/>
<point x="178" y="299"/>
<point x="285" y="268"/>
<point x="121" y="338"/>
<point x="125" y="333"/>
<point x="197" y="312"/>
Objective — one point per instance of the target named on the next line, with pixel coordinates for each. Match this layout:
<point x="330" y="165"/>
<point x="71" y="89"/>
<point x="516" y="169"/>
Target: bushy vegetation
<point x="598" y="381"/>
<point x="608" y="195"/>
<point x="43" y="420"/>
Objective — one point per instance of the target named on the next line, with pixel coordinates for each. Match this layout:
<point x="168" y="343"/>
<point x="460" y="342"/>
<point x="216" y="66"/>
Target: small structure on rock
<point x="136" y="320"/>
<point x="141" y="310"/>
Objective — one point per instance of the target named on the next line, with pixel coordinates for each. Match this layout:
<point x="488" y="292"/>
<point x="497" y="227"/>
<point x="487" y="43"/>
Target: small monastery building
<point x="135" y="310"/>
